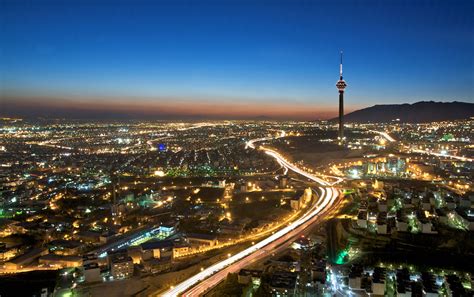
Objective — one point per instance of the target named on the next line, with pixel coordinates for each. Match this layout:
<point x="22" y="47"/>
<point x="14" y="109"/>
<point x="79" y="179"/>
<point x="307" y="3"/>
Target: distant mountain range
<point x="420" y="112"/>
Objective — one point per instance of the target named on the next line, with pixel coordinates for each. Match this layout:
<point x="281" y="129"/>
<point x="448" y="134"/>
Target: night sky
<point x="230" y="59"/>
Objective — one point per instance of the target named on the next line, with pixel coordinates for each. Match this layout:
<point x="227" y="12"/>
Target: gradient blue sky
<point x="258" y="53"/>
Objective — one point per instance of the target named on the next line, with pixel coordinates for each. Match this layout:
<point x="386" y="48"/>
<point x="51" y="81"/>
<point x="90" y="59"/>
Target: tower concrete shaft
<point x="340" y="133"/>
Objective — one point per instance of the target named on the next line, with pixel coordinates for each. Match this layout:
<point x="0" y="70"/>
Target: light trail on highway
<point x="442" y="155"/>
<point x="211" y="276"/>
<point x="384" y="134"/>
<point x="288" y="165"/>
<point x="293" y="168"/>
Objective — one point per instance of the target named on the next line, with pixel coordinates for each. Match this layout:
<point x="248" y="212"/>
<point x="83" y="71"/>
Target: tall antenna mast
<point x="340" y="68"/>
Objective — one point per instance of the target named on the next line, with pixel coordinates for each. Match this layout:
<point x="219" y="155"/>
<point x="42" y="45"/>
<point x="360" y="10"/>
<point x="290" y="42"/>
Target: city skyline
<point x="217" y="148"/>
<point x="236" y="61"/>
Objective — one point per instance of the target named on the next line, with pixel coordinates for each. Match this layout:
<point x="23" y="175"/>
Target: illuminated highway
<point x="384" y="134"/>
<point x="211" y="276"/>
<point x="292" y="167"/>
<point x="288" y="165"/>
<point x="390" y="139"/>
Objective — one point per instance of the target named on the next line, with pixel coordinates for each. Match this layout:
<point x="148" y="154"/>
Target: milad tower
<point x="341" y="85"/>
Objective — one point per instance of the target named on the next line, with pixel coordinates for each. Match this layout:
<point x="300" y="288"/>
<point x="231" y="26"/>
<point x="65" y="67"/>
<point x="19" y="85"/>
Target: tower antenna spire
<point x="340" y="68"/>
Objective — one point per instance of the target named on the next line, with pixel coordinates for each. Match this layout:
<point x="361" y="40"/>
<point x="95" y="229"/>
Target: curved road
<point x="211" y="276"/>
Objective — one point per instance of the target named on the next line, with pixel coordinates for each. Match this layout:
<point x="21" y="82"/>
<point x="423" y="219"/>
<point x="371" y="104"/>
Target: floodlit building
<point x="25" y="259"/>
<point x="295" y="202"/>
<point x="168" y="229"/>
<point x="136" y="253"/>
<point x="300" y="199"/>
<point x="180" y="250"/>
<point x="121" y="266"/>
<point x="206" y="240"/>
<point x="158" y="249"/>
<point x="61" y="261"/>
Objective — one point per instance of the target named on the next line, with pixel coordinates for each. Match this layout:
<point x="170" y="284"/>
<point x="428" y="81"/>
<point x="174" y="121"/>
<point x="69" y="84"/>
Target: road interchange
<point x="211" y="276"/>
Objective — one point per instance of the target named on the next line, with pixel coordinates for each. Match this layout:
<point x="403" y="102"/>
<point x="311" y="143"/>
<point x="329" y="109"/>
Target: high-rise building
<point x="341" y="85"/>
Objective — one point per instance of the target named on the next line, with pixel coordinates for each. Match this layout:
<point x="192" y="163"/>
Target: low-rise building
<point x="25" y="259"/>
<point x="121" y="266"/>
<point x="318" y="272"/>
<point x="355" y="277"/>
<point x="89" y="237"/>
<point x="296" y="201"/>
<point x="136" y="253"/>
<point x="227" y="227"/>
<point x="158" y="249"/>
<point x="283" y="283"/>
<point x="378" y="282"/>
<point x="362" y="219"/>
<point x="427" y="226"/>
<point x="382" y="223"/>
<point x="467" y="218"/>
<point x="168" y="229"/>
<point x="180" y="250"/>
<point x="92" y="273"/>
<point x="65" y="247"/>
<point x="61" y="261"/>
<point x="198" y="239"/>
<point x="247" y="276"/>
<point x="430" y="288"/>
